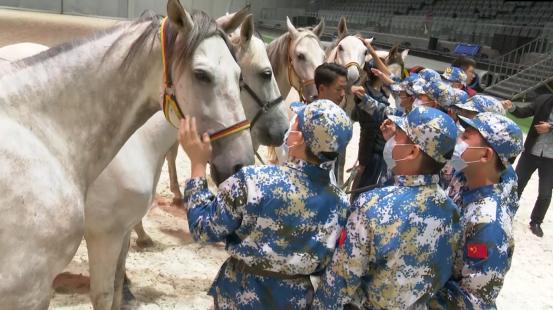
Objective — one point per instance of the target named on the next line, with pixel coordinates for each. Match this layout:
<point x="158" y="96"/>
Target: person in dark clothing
<point x="371" y="142"/>
<point x="537" y="155"/>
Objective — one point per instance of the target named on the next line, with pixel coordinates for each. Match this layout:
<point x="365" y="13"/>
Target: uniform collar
<point x="416" y="180"/>
<point x="309" y="168"/>
<point x="471" y="196"/>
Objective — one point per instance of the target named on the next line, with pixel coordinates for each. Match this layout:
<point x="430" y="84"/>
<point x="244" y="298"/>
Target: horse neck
<point x="278" y="56"/>
<point x="81" y="105"/>
<point x="283" y="81"/>
<point x="157" y="136"/>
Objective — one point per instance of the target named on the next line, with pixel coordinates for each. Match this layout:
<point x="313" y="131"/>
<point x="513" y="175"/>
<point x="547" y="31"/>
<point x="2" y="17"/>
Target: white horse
<point x="350" y="52"/>
<point x="271" y="126"/>
<point x="65" y="113"/>
<point x="294" y="56"/>
<point x="122" y="194"/>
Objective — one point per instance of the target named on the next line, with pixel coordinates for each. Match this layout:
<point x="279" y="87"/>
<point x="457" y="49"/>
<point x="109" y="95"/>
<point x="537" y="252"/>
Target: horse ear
<point x="404" y="54"/>
<point x="318" y="31"/>
<point x="369" y="40"/>
<point x="291" y="29"/>
<point x="246" y="33"/>
<point x="233" y="21"/>
<point x="179" y="17"/>
<point x="342" y="28"/>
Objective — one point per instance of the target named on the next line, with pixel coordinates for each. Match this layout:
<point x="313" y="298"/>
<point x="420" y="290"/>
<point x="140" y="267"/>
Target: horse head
<point x="304" y="56"/>
<point x="348" y="51"/>
<point x="206" y="85"/>
<point x="260" y="94"/>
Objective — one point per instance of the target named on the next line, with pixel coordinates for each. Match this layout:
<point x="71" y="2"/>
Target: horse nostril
<point x="238" y="167"/>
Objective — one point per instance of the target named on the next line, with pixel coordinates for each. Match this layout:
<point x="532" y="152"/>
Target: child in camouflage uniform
<point x="400" y="241"/>
<point x="509" y="180"/>
<point x="280" y="223"/>
<point x="488" y="145"/>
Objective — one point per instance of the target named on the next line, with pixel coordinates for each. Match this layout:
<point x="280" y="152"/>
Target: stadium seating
<point x="469" y="21"/>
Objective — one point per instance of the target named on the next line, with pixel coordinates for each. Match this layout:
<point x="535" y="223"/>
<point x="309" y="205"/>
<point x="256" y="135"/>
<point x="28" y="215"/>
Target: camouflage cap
<point x="430" y="75"/>
<point x="431" y="129"/>
<point x="441" y="92"/>
<point x="454" y="74"/>
<point x="501" y="133"/>
<point x="459" y="96"/>
<point x="324" y="125"/>
<point x="481" y="104"/>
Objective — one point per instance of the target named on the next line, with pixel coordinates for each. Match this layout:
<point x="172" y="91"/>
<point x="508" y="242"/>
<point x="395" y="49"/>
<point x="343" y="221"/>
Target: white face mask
<point x="460" y="128"/>
<point x="458" y="163"/>
<point x="418" y="103"/>
<point x="387" y="153"/>
<point x="285" y="141"/>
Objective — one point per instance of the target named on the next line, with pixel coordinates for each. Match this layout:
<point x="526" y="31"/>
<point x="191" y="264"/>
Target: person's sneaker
<point x="536" y="229"/>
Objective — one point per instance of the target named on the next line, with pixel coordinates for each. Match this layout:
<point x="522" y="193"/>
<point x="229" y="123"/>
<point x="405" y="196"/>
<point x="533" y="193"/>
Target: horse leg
<point x="143" y="241"/>
<point x="119" y="282"/>
<point x="171" y="158"/>
<point x="41" y="225"/>
<point x="103" y="256"/>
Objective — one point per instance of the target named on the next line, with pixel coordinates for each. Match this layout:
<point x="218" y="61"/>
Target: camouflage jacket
<point x="399" y="247"/>
<point x="485" y="251"/>
<point x="508" y="180"/>
<point x="283" y="219"/>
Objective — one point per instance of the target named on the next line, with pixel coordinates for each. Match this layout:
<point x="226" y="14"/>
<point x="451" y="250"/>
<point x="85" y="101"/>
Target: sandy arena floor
<point x="176" y="273"/>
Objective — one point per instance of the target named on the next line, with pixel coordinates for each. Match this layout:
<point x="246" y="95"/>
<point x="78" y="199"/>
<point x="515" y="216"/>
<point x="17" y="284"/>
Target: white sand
<point x="176" y="273"/>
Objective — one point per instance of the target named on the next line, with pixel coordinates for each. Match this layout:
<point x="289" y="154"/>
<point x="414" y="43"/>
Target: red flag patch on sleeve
<point x="342" y="238"/>
<point x="477" y="250"/>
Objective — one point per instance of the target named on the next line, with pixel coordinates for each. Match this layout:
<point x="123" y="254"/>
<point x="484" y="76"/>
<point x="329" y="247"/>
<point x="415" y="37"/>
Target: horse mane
<point x="180" y="51"/>
<point x="278" y="49"/>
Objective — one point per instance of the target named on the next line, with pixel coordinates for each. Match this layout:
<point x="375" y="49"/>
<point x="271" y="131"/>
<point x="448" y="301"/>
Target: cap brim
<point x="465" y="121"/>
<point x="401" y="122"/>
<point x="297" y="106"/>
<point x="466" y="107"/>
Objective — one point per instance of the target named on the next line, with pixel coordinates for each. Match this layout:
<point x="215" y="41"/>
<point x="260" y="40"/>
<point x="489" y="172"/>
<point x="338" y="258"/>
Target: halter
<point x="292" y="73"/>
<point x="353" y="63"/>
<point x="265" y="106"/>
<point x="171" y="108"/>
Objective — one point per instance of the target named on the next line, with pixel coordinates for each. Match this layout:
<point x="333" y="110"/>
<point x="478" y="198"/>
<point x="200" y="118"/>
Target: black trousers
<point x="526" y="166"/>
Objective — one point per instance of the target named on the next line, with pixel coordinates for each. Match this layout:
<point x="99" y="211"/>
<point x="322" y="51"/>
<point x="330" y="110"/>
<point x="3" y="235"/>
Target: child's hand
<point x="358" y="91"/>
<point x="197" y="148"/>
<point x="388" y="129"/>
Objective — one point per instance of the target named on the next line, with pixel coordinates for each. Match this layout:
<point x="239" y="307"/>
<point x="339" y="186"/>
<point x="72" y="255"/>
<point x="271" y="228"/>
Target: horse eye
<point x="267" y="74"/>
<point x="340" y="48"/>
<point x="203" y="76"/>
<point x="301" y="57"/>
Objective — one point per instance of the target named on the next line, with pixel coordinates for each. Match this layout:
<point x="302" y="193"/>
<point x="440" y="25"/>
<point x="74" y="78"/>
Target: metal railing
<point x="514" y="61"/>
<point x="542" y="74"/>
<point x="534" y="76"/>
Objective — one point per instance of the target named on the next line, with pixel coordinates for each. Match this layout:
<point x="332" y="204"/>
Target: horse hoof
<point x="146" y="243"/>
